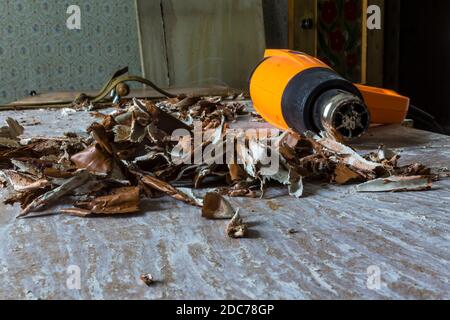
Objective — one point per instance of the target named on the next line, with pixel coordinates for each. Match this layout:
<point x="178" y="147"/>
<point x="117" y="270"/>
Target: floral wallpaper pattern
<point x="339" y="36"/>
<point x="38" y="52"/>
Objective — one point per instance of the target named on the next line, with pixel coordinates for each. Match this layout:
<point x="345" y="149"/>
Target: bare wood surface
<point x="302" y="39"/>
<point x="58" y="97"/>
<point x="320" y="246"/>
<point x="375" y="50"/>
<point x="152" y="42"/>
<point x="213" y="42"/>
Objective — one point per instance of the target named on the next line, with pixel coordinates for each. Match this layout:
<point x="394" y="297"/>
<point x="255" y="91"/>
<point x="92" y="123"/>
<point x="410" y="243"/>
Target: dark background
<point x="423" y="71"/>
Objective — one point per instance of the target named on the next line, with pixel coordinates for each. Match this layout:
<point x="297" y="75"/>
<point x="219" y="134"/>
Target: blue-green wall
<point x="38" y="52"/>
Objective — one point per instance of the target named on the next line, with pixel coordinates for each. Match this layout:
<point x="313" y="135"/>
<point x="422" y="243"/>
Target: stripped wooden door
<point x="201" y="42"/>
<point x="152" y="42"/>
<point x="303" y="26"/>
<point x="338" y="35"/>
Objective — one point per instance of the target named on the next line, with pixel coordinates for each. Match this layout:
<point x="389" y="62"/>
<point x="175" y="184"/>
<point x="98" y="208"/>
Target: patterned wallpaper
<point x="339" y="36"/>
<point x="38" y="52"/>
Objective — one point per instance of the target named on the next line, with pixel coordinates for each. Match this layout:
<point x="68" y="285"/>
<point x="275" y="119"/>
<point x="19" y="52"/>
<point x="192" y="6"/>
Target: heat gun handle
<point x="385" y="106"/>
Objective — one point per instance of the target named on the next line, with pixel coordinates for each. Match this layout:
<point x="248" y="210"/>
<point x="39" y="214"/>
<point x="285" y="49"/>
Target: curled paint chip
<point x="215" y="206"/>
<point x="236" y="228"/>
<point x="397" y="184"/>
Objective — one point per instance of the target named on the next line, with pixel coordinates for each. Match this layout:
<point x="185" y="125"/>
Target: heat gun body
<point x="292" y="90"/>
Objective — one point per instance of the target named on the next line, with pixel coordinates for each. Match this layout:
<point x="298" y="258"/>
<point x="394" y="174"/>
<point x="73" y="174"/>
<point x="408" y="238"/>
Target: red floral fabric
<point x="329" y="11"/>
<point x="339" y="36"/>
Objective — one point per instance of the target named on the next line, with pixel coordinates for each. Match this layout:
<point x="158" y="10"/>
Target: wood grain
<point x="213" y="42"/>
<point x="375" y="50"/>
<point x="339" y="235"/>
<point x="300" y="39"/>
<point x="152" y="42"/>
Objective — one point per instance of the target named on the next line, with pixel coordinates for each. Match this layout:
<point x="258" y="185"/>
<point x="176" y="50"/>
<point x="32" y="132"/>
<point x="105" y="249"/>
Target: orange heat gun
<point x="292" y="90"/>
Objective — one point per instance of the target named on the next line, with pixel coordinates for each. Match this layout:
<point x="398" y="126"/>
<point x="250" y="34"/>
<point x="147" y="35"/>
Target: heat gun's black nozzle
<point x="341" y="113"/>
<point x="318" y="100"/>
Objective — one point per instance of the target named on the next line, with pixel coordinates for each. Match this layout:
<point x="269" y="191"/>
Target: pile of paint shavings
<point x="130" y="155"/>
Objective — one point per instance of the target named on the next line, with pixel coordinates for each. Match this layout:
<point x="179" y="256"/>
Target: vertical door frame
<point x="372" y="46"/>
<point x="305" y="41"/>
<point x="364" y="41"/>
<point x="375" y="57"/>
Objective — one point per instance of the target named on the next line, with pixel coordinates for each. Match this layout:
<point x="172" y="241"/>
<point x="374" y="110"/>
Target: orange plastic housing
<point x="271" y="78"/>
<point x="273" y="74"/>
<point x="385" y="106"/>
